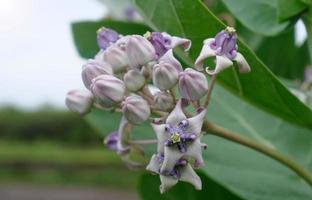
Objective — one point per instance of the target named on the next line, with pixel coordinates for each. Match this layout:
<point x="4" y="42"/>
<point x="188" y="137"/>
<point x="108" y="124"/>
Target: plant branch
<point x="219" y="131"/>
<point x="210" y="88"/>
<point x="151" y="141"/>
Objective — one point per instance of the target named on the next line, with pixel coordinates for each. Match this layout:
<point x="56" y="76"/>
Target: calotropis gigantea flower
<point x="135" y="109"/>
<point x="92" y="69"/>
<point x="115" y="55"/>
<point x="179" y="137"/>
<point x="166" y="71"/>
<point x="193" y="85"/>
<point x="134" y="80"/>
<point x="108" y="90"/>
<point x="79" y="101"/>
<point x="182" y="171"/>
<point x="163" y="42"/>
<point x="106" y="37"/>
<point x="163" y="100"/>
<point x="224" y="48"/>
<point x="140" y="51"/>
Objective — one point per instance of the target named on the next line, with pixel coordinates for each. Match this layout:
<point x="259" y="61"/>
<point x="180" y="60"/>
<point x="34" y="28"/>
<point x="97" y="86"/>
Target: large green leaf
<point x="193" y="20"/>
<point x="259" y="16"/>
<point x="289" y="8"/>
<point x="149" y="190"/>
<point x="283" y="56"/>
<point x="85" y="34"/>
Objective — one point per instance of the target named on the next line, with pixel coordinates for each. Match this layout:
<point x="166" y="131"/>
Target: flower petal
<point x="176" y="41"/>
<point x="196" y="123"/>
<point x="161" y="135"/>
<point x="167" y="182"/>
<point x="190" y="176"/>
<point x="153" y="165"/>
<point x="242" y="63"/>
<point x="222" y="63"/>
<point x="171" y="157"/>
<point x="206" y="52"/>
<point x="169" y="58"/>
<point x="194" y="151"/>
<point x="124" y="131"/>
<point x="177" y="115"/>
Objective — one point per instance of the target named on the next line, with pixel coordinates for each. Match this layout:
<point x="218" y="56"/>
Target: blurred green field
<point x="45" y="162"/>
<point x="55" y="147"/>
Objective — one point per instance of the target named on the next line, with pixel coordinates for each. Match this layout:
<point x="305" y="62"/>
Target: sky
<point x="38" y="60"/>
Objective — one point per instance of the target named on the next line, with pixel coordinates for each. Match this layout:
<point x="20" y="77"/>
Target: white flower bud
<point x="165" y="75"/>
<point x="134" y="80"/>
<point x="135" y="109"/>
<point x="93" y="69"/>
<point x="140" y="51"/>
<point x="116" y="56"/>
<point x="192" y="84"/>
<point x="79" y="101"/>
<point x="108" y="90"/>
<point x="163" y="100"/>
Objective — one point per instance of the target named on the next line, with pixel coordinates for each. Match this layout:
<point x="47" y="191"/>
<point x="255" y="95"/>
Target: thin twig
<point x="210" y="88"/>
<point x="219" y="131"/>
<point x="142" y="142"/>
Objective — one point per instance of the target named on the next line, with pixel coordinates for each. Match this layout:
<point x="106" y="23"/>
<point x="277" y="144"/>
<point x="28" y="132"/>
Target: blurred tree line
<point x="45" y="124"/>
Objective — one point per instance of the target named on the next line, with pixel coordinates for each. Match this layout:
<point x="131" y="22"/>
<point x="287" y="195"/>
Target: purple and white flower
<point x="224" y="48"/>
<point x="163" y="42"/>
<point x="182" y="171"/>
<point x="79" y="101"/>
<point x="179" y="137"/>
<point x="106" y="37"/>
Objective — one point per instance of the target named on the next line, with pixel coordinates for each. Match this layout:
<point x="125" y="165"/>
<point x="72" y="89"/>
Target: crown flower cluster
<point x="139" y="76"/>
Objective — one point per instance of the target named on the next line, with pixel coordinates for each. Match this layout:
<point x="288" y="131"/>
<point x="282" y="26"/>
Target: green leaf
<point x="259" y="16"/>
<point x="245" y="172"/>
<point x="149" y="190"/>
<point x="193" y="20"/>
<point x="279" y="52"/>
<point x="289" y="8"/>
<point x="85" y="34"/>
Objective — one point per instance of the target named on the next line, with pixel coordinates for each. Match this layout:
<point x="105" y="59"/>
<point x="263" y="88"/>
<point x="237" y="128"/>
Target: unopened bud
<point x="135" y="109"/>
<point x="79" y="101"/>
<point x="93" y="69"/>
<point x="105" y="37"/>
<point x="108" y="90"/>
<point x="140" y="51"/>
<point x="134" y="80"/>
<point x="115" y="56"/>
<point x="163" y="100"/>
<point x="165" y="75"/>
<point x="192" y="84"/>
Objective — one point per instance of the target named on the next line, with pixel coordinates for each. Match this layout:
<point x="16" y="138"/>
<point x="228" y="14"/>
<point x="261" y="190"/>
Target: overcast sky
<point x="39" y="63"/>
<point x="38" y="60"/>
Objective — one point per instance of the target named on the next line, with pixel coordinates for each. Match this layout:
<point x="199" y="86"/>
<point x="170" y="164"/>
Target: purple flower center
<point x="225" y="43"/>
<point x="175" y="172"/>
<point x="178" y="136"/>
<point x="105" y="37"/>
<point x="161" y="43"/>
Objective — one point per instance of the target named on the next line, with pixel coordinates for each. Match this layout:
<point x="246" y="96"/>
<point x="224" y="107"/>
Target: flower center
<point x="230" y="30"/>
<point x="175" y="137"/>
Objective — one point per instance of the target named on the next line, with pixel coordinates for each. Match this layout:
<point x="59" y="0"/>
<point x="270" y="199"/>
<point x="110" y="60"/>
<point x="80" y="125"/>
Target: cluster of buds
<point x="139" y="75"/>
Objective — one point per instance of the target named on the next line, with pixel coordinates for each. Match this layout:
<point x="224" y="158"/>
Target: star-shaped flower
<point x="224" y="48"/>
<point x="182" y="171"/>
<point x="179" y="138"/>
